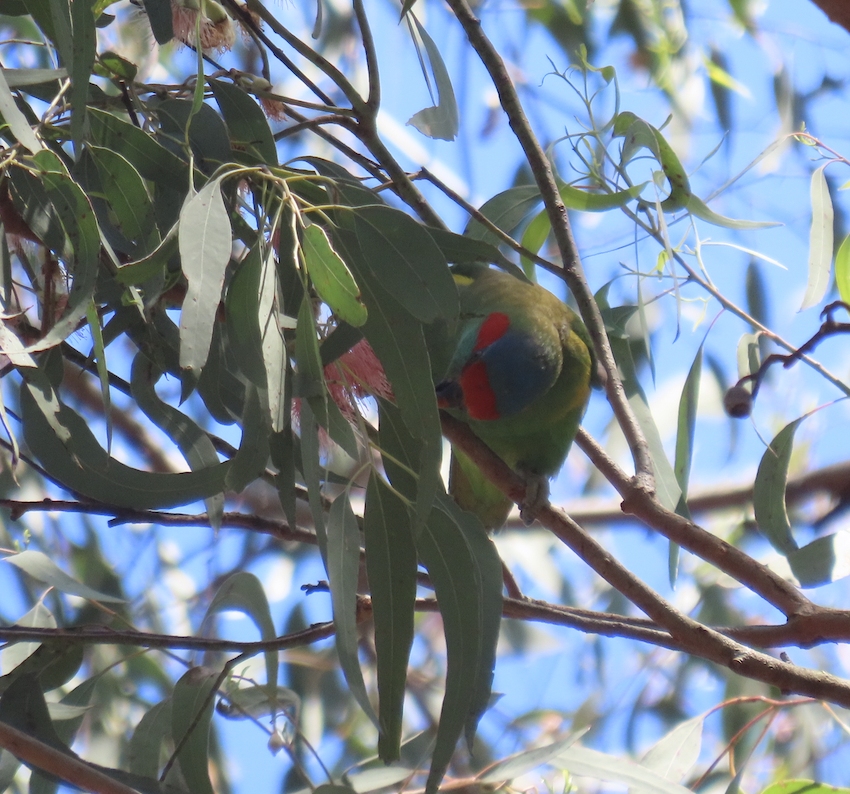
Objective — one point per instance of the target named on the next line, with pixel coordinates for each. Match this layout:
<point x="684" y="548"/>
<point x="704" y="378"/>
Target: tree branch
<point x="693" y="637"/>
<point x="573" y="273"/>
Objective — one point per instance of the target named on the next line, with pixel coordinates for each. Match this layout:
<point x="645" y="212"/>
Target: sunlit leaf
<point x="700" y="209"/>
<point x="803" y="787"/>
<point x="442" y="121"/>
<point x="16" y="120"/>
<point x="675" y="754"/>
<point x="204" y="239"/>
<point x="820" y="240"/>
<point x="526" y="761"/>
<point x="842" y="270"/>
<point x="331" y="277"/>
<point x="41" y="567"/>
<point x="603" y="766"/>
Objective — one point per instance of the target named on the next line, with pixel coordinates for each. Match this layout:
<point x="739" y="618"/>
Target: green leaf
<point x="127" y="195"/>
<point x="505" y="210"/>
<point x="241" y="309"/>
<point x="331" y="277"/>
<point x="191" y="713"/>
<point x="15" y="654"/>
<point x="78" y="220"/>
<point x="255" y="702"/>
<point x="820" y="240"/>
<point x="152" y="160"/>
<point x="343" y="567"/>
<point x="688" y="403"/>
<point x="16" y="120"/>
<point x="769" y="491"/>
<point x="205" y="242"/>
<point x="842" y="270"/>
<point x="84" y="48"/>
<point x="602" y="766"/>
<point x="311" y="468"/>
<point x="824" y="560"/>
<point x="252" y="457"/>
<point x="526" y="761"/>
<point x="699" y="209"/>
<point x="42" y="568"/>
<point x="399" y="342"/>
<point x="440" y="122"/>
<point x="88" y="470"/>
<point x="533" y="237"/>
<point x="667" y="487"/>
<point x="20" y="78"/>
<point x="146" y="743"/>
<point x="460" y="248"/>
<point x="99" y="353"/>
<point x="243" y="592"/>
<point x="637" y="135"/>
<point x="194" y="444"/>
<point x="160" y="16"/>
<point x="404" y="258"/>
<point x="274" y="350"/>
<point x="467" y="575"/>
<point x="154" y="264"/>
<point x="585" y="201"/>
<point x="391" y="565"/>
<point x="247" y="124"/>
<point x="803" y="787"/>
<point x="310" y="379"/>
<point x="675" y="754"/>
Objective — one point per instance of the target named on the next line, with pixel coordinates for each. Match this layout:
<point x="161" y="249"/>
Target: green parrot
<point x="520" y="377"/>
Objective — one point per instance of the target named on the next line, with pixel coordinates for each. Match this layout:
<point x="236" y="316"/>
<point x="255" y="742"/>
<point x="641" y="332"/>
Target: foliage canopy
<point x="228" y="249"/>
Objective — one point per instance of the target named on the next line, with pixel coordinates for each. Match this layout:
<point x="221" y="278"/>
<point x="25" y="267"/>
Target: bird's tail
<point x="475" y="493"/>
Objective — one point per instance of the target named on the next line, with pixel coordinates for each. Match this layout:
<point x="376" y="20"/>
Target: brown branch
<point x="739" y="565"/>
<point x="65" y="766"/>
<point x="693" y="637"/>
<point x="573" y="273"/>
<point x="838" y="11"/>
<point x="833" y="480"/>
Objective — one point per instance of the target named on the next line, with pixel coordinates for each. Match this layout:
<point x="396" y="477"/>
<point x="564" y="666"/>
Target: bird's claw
<point x="536" y="496"/>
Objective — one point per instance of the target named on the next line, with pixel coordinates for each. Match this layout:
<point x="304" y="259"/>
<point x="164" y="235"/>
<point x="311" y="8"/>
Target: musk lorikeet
<point x="520" y="377"/>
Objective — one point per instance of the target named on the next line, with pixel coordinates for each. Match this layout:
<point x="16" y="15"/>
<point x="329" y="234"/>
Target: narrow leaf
<point x="204" y="239"/>
<point x="16" y="120"/>
<point x="820" y="240"/>
<point x="41" y="567"/>
<point x="769" y="491"/>
<point x="822" y="561"/>
<point x="343" y="568"/>
<point x="331" y="277"/>
<point x="391" y="566"/>
<point x="602" y="766"/>
<point x="191" y="715"/>
<point x="842" y="270"/>
<point x="243" y="592"/>
<point x="699" y="209"/>
<point x="467" y="575"/>
<point x="440" y="122"/>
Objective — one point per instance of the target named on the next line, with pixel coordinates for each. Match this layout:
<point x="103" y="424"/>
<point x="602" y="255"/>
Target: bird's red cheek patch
<point x="494" y="327"/>
<point x="478" y="396"/>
